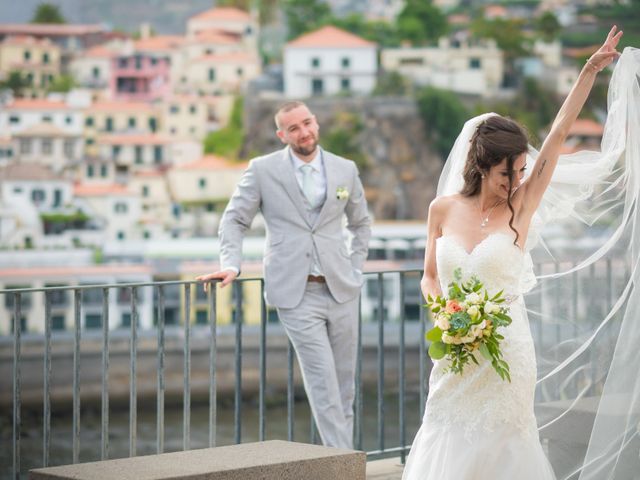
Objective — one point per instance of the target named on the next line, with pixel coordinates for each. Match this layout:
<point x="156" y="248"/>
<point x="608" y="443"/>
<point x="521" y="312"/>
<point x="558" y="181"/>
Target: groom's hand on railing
<point x="226" y="276"/>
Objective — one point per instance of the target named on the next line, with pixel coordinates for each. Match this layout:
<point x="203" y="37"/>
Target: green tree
<point x="443" y="115"/>
<point x="548" y="26"/>
<point x="227" y="141"/>
<point x="16" y="82"/>
<point x="47" y="13"/>
<point x="421" y="22"/>
<point x="342" y="138"/>
<point x="62" y="83"/>
<point x="305" y="15"/>
<point x="392" y="84"/>
<point x="508" y="34"/>
<point x="382" y="33"/>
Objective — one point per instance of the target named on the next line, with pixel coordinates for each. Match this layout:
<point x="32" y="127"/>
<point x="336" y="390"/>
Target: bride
<point x="477" y="426"/>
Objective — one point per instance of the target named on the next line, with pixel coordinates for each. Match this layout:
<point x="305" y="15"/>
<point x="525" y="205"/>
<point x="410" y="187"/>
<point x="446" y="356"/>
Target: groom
<point x="311" y="277"/>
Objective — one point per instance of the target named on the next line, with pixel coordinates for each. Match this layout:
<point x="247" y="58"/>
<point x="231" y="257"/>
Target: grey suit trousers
<point x="324" y="335"/>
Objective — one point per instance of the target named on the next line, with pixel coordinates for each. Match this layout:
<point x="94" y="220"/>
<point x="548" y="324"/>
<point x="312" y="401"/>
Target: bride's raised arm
<point x="534" y="186"/>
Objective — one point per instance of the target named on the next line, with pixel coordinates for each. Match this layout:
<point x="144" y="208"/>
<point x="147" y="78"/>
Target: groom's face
<point x="299" y="130"/>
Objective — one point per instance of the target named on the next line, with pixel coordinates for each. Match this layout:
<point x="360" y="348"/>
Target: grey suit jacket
<point x="269" y="185"/>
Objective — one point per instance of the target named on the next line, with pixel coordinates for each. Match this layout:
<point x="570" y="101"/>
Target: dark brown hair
<point x="494" y="140"/>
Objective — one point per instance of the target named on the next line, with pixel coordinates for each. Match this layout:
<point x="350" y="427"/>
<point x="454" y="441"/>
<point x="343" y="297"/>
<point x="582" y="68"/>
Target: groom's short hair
<point x="287" y="107"/>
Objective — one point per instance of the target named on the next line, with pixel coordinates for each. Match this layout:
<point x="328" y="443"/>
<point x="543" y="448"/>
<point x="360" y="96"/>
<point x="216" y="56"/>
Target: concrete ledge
<point x="274" y="459"/>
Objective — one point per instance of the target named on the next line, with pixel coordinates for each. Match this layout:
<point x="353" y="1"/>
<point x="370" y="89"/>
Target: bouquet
<point x="467" y="321"/>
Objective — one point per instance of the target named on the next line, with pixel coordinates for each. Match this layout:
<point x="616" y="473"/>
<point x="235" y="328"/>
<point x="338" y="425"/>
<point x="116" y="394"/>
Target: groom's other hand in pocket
<point x="226" y="276"/>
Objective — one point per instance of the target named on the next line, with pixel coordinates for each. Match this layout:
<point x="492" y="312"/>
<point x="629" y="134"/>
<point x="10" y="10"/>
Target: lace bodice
<point x="478" y="397"/>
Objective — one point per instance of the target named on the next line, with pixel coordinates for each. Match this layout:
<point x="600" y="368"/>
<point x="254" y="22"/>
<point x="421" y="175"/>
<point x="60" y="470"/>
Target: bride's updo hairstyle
<point x="495" y="139"/>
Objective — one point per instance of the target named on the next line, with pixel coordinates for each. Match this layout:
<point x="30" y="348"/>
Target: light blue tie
<point x="307" y="183"/>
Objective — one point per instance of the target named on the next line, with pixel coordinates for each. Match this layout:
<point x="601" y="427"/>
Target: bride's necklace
<point x="484" y="220"/>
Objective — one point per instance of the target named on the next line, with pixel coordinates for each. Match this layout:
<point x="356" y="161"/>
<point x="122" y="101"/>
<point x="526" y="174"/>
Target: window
<point x="25" y="298"/>
<point x="47" y="146"/>
<point x="154" y="61"/>
<point x="146" y="234"/>
<point x="145" y="191"/>
<point x="138" y="60"/>
<point x="27" y="55"/>
<point x="58" y="322"/>
<point x="95" y="72"/>
<point x="25" y="146"/>
<point x="92" y="296"/>
<point x="68" y="148"/>
<point x="104" y="171"/>
<point x="157" y="154"/>
<point x="89" y="171"/>
<point x="153" y="125"/>
<point x="45" y="58"/>
<point x="346" y="62"/>
<point x="317" y="86"/>
<point x="345" y="85"/>
<point x="123" y="62"/>
<point x="239" y="71"/>
<point x="115" y="151"/>
<point x="68" y="120"/>
<point x="89" y="141"/>
<point x="89" y="122"/>
<point x="212" y="75"/>
<point x="14" y="119"/>
<point x="57" y="197"/>
<point x="59" y="298"/>
<point x="202" y="183"/>
<point x="47" y="118"/>
<point x="93" y="321"/>
<point x="120" y="207"/>
<point x="29" y="79"/>
<point x="37" y="195"/>
<point x="138" y="150"/>
<point x="125" y="320"/>
<point x="174" y="109"/>
<point x="202" y="316"/>
<point x="315" y="62"/>
<point x="17" y="189"/>
<point x="193" y="109"/>
<point x="109" y="124"/>
<point x="474" y="63"/>
<point x="132" y="122"/>
<point x="121" y="235"/>
<point x="411" y="61"/>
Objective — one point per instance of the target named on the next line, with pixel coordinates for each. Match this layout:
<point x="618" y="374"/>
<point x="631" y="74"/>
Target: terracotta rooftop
<point x="121" y="106"/>
<point x="36" y="104"/>
<point x="223" y="14"/>
<point x="50" y="29"/>
<point x="332" y="37"/>
<point x="212" y="162"/>
<point x="133" y="139"/>
<point x="231" y="57"/>
<point x="28" y="40"/>
<point x="159" y="43"/>
<point x="586" y="128"/>
<point x="215" y="36"/>
<point x="27" y="171"/>
<point x="100" y="190"/>
<point x="44" y="130"/>
<point x="495" y="11"/>
<point x="99" y="51"/>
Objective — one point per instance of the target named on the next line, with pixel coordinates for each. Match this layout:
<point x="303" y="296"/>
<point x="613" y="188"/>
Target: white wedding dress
<point x="477" y="426"/>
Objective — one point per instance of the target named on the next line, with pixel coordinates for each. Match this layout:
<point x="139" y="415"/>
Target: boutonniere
<point x="342" y="193"/>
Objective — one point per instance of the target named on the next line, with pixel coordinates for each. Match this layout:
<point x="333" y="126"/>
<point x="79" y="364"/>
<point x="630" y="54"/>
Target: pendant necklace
<point x="484" y="221"/>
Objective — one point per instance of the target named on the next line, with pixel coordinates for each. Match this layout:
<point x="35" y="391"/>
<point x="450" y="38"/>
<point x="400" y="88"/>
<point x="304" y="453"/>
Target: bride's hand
<point x="607" y="52"/>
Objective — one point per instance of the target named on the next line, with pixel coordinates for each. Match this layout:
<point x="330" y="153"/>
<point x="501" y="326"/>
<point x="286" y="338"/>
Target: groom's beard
<point x="305" y="150"/>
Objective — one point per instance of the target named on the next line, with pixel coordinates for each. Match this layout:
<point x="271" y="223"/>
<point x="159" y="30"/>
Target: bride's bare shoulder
<point x="442" y="205"/>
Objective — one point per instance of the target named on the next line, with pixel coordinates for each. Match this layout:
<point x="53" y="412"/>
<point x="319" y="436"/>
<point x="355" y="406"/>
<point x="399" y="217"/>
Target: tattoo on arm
<point x="544" y="163"/>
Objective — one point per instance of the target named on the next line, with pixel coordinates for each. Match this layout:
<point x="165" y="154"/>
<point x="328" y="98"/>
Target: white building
<point x="21" y="114"/>
<point x="92" y="68"/>
<point x="461" y="67"/>
<point x="329" y="61"/>
<point x="231" y="20"/>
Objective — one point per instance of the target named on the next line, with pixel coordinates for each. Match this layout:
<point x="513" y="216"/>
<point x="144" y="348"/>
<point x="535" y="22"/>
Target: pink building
<point x="140" y="77"/>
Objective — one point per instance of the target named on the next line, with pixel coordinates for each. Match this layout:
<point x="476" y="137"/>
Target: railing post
<point x="133" y="353"/>
<point x="77" y="300"/>
<point x="186" y="398"/>
<point x="213" y="352"/>
<point x="238" y="363"/>
<point x="105" y="375"/>
<point x="401" y="361"/>
<point x="263" y="363"/>
<point x="160" y="377"/>
<point x="46" y="421"/>
<point x="17" y="331"/>
<point x="380" y="362"/>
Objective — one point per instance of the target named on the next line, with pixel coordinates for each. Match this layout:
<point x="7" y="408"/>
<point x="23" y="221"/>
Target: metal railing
<point x="373" y="323"/>
<point x="187" y="328"/>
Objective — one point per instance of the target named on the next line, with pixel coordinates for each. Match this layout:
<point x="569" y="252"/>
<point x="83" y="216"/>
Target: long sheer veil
<point x="583" y="307"/>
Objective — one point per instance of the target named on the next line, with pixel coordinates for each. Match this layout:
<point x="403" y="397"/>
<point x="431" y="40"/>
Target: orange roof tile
<point x="459" y="19"/>
<point x="330" y="36"/>
<point x="77" y="271"/>
<point x="99" y="51"/>
<point x="100" y="190"/>
<point x="121" y="107"/>
<point x="231" y="57"/>
<point x="36" y="104"/>
<point x="586" y="128"/>
<point x="493" y="11"/>
<point x="159" y="42"/>
<point x="215" y="36"/>
<point x="213" y="162"/>
<point x="133" y="139"/>
<point x="231" y="14"/>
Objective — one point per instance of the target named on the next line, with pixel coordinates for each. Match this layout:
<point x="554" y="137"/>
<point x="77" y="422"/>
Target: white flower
<point x="468" y="338"/>
<point x="448" y="339"/>
<point x="473" y="311"/>
<point x="342" y="193"/>
<point x="442" y="322"/>
<point x="457" y="340"/>
<point x="473" y="298"/>
<point x="491" y="307"/>
<point x="476" y="331"/>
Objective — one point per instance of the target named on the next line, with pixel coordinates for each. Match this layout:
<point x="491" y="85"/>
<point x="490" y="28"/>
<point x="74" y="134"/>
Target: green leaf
<point x="484" y="350"/>
<point x="434" y="335"/>
<point x="437" y="350"/>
